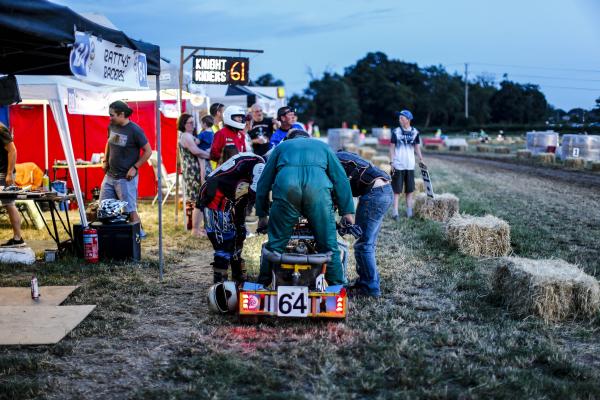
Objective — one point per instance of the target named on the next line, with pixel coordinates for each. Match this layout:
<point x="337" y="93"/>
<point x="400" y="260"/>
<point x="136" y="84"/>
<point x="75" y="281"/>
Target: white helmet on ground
<point x="232" y="111"/>
<point x="223" y="297"/>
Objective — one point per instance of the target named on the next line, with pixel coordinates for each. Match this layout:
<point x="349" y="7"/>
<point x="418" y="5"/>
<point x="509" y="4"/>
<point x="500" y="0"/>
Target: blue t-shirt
<point x="280" y="134"/>
<point x="206" y="139"/>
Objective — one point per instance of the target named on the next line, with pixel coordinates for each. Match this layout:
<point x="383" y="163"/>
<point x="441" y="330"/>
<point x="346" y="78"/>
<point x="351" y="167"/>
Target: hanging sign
<point x="87" y="102"/>
<point x="220" y="70"/>
<point x="100" y="61"/>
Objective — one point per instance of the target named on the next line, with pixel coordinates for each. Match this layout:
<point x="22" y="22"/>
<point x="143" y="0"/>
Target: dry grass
<point x="487" y="236"/>
<point x="483" y="148"/>
<point x="551" y="289"/>
<point x="575" y="163"/>
<point x="378" y="161"/>
<point x="523" y="154"/>
<point x="545" y="158"/>
<point x="441" y="208"/>
<point x="501" y="150"/>
<point x="368" y="153"/>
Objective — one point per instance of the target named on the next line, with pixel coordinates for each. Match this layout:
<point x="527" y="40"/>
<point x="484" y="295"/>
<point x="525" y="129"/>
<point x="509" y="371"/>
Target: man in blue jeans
<point x="372" y="187"/>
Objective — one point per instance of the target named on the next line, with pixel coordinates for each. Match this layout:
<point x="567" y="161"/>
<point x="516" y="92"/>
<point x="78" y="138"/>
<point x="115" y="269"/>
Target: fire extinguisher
<point x="189" y="209"/>
<point x="90" y="245"/>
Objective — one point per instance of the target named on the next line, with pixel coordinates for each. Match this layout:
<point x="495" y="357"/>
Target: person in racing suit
<point x="304" y="174"/>
<point x="372" y="187"/>
<point x="228" y="191"/>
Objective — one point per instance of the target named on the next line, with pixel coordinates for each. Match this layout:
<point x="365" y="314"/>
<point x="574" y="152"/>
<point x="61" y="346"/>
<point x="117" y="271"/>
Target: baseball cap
<point x="405" y="113"/>
<point x="284" y="110"/>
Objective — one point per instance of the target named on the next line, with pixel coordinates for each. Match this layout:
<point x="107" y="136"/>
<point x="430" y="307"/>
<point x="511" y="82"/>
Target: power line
<point x="596" y="71"/>
<point x="561" y="78"/>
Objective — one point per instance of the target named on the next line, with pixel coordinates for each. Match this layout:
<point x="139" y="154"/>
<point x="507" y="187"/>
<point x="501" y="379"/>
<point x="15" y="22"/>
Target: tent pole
<point x="177" y="166"/>
<point x="158" y="150"/>
<point x="46" y="137"/>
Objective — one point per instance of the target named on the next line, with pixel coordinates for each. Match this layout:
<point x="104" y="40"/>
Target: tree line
<point x="370" y="91"/>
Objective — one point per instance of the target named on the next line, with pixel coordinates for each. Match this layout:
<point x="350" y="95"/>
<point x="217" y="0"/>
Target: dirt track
<point x="582" y="178"/>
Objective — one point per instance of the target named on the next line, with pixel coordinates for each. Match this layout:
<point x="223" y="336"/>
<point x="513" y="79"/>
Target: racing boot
<point x="238" y="270"/>
<point x="220" y="267"/>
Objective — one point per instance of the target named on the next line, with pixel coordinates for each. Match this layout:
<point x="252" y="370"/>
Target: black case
<point x="120" y="241"/>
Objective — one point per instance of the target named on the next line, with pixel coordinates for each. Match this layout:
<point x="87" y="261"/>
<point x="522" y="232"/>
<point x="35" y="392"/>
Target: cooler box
<point x="119" y="241"/>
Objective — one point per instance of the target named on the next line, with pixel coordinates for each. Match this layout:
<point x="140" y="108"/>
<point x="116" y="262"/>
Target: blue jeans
<point x="371" y="209"/>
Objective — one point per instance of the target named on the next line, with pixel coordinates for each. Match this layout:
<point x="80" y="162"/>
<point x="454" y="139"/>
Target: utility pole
<point x="467" y="91"/>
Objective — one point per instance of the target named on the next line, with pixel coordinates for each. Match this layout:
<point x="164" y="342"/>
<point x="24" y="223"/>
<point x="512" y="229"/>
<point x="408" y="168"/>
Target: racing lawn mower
<point x="298" y="287"/>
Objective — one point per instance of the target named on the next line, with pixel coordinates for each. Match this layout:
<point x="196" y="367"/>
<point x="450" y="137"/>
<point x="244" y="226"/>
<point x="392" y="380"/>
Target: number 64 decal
<point x="292" y="301"/>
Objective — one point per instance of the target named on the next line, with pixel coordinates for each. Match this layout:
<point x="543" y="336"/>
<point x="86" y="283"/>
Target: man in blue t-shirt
<point x="404" y="145"/>
<point x="287" y="120"/>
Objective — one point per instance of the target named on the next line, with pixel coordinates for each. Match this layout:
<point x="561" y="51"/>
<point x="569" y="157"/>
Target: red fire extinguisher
<point x="90" y="245"/>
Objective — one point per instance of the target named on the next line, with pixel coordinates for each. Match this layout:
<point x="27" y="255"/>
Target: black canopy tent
<point x="36" y="37"/>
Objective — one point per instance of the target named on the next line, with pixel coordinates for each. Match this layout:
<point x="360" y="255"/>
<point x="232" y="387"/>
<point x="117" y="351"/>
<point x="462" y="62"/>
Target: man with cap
<point x="286" y="116"/>
<point x="305" y="177"/>
<point x="404" y="145"/>
<point x="372" y="187"/>
<point x="122" y="158"/>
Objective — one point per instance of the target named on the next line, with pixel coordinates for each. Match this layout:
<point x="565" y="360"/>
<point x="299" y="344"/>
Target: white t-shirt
<point x="404" y="152"/>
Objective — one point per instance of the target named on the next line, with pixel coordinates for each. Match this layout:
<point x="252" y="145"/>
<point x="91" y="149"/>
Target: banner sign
<point x="220" y="70"/>
<point x="100" y="61"/>
<point x="87" y="102"/>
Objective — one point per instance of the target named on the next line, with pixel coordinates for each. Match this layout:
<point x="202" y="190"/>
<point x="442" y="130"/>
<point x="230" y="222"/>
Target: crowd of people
<point x="237" y="160"/>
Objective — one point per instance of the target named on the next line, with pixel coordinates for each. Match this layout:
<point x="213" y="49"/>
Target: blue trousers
<point x="371" y="209"/>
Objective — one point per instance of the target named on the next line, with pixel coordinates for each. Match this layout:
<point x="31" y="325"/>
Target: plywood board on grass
<point x="26" y="325"/>
<point x="21" y="296"/>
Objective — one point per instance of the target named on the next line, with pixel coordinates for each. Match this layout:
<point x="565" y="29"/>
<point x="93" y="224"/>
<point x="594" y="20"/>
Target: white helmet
<point x="232" y="111"/>
<point x="223" y="297"/>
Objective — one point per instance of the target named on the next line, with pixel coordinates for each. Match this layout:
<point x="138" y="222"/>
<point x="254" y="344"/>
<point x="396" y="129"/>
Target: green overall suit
<point x="305" y="176"/>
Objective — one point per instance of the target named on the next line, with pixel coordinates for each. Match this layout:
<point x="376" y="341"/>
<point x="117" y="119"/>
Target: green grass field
<point x="436" y="332"/>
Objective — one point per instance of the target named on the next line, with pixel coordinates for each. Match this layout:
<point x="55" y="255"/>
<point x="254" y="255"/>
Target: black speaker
<point x="118" y="241"/>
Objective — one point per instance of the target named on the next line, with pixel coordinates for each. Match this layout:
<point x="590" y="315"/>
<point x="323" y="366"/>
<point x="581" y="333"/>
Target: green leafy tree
<point x="333" y="101"/>
<point x="266" y="80"/>
<point x="517" y="103"/>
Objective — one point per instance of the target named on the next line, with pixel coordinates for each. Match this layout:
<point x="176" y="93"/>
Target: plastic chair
<point x="168" y="180"/>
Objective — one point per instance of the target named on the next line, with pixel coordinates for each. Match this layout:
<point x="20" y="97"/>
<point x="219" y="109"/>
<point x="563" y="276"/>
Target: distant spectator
<point x="216" y="111"/>
<point x="8" y="160"/>
<point x="260" y="130"/>
<point x="404" y="145"/>
<point x="193" y="166"/>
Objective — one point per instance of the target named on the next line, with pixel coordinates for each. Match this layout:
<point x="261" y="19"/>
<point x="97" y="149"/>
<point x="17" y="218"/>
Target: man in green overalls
<point x="305" y="176"/>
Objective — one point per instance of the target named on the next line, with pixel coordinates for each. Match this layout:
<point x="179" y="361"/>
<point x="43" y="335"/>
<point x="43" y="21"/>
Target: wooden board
<point x="39" y="325"/>
<point x="21" y="296"/>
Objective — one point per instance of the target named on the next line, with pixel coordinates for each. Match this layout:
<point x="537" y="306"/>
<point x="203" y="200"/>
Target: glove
<point x="422" y="165"/>
<point x="345" y="227"/>
<point x="321" y="283"/>
<point x="263" y="225"/>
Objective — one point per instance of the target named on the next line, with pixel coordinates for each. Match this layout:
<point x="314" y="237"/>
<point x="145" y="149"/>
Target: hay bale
<point x="502" y="150"/>
<point x="595" y="165"/>
<point x="441" y="208"/>
<point x="473" y="141"/>
<point x="457" y="148"/>
<point x="479" y="236"/>
<point x="378" y="161"/>
<point x="575" y="163"/>
<point x="368" y="153"/>
<point x="551" y="289"/>
<point x="545" y="158"/>
<point x="482" y="148"/>
<point x="419" y="185"/>
<point x="523" y="154"/>
<point x="434" y="146"/>
<point x="387" y="168"/>
<point x="352" y="148"/>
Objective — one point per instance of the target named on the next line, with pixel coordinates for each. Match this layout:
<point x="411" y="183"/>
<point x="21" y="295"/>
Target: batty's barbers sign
<point x="220" y="70"/>
<point x="96" y="60"/>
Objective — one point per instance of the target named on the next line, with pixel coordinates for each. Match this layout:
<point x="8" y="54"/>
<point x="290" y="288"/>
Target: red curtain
<point x="88" y="136"/>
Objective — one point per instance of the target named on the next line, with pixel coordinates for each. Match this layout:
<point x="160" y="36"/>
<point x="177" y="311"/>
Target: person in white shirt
<point x="403" y="148"/>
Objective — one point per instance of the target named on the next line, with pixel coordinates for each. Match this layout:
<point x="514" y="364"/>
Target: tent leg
<point x="160" y="205"/>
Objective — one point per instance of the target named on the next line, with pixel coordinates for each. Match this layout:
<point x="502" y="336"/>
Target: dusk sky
<point x="552" y="43"/>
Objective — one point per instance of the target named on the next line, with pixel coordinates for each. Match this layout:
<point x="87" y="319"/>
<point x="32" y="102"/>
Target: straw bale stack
<point x="575" y="163"/>
<point x="367" y="153"/>
<point x="419" y="185"/>
<point x="545" y="158"/>
<point x="501" y="150"/>
<point x="523" y="154"/>
<point x="519" y="140"/>
<point x="441" y="208"/>
<point x="595" y="165"/>
<point x="434" y="146"/>
<point x="351" y="147"/>
<point x="473" y="141"/>
<point x="482" y="148"/>
<point x="551" y="289"/>
<point x="387" y="168"/>
<point x="479" y="236"/>
<point x="378" y="161"/>
<point x="457" y="148"/>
